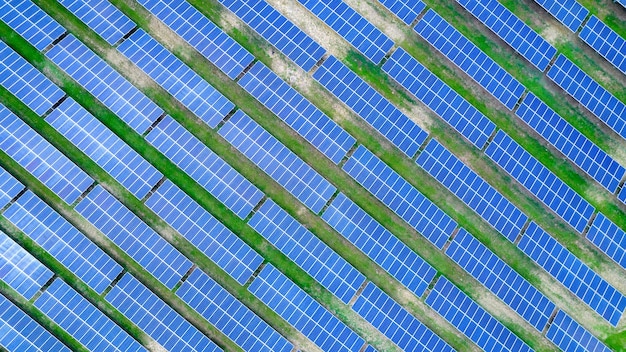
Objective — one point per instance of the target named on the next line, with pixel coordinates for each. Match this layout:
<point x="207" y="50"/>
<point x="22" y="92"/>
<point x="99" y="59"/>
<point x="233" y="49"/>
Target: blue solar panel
<point x="229" y="315"/>
<point x="439" y="97"/>
<point x="370" y="105"/>
<point x="177" y="78"/>
<point x="569" y="12"/>
<point x="20" y="78"/>
<point x="210" y="236"/>
<point x="605" y="41"/>
<point x="469" y="58"/>
<point x="609" y="237"/>
<point x="471" y="319"/>
<point x="353" y="27"/>
<point x="540" y="181"/>
<point x="40" y="158"/>
<point x="281" y="164"/>
<point x="278" y="30"/>
<point x="205" y="167"/>
<point x="379" y="244"/>
<point x="82" y="320"/>
<point x="104" y="147"/>
<point x="9" y="187"/>
<point x="106" y="84"/>
<point x="573" y="273"/>
<point x="474" y="191"/>
<point x="512" y="30"/>
<point x="101" y="16"/>
<point x="303" y="312"/>
<point x="406" y="10"/>
<point x="501" y="279"/>
<point x="134" y="237"/>
<point x="297" y="112"/>
<point x="622" y="195"/>
<point x="20" y="333"/>
<point x="396" y="323"/>
<point x="570" y="336"/>
<point x="400" y="196"/>
<point x="202" y="34"/>
<point x="36" y="26"/>
<point x="63" y="241"/>
<point x="306" y="250"/>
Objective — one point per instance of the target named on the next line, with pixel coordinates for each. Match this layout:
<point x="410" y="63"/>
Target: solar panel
<point x="622" y="195"/>
<point x="400" y="196"/>
<point x="469" y="58"/>
<point x="501" y="279"/>
<point x="20" y="78"/>
<point x="304" y="313"/>
<point x="202" y="34"/>
<point x="307" y="251"/>
<point x="104" y="147"/>
<point x="474" y="191"/>
<point x="471" y="319"/>
<point x="369" y="348"/>
<point x="573" y="273"/>
<point x="229" y="315"/>
<point x="521" y="37"/>
<point x="297" y="112"/>
<point x="540" y="181"/>
<point x="83" y="320"/>
<point x="396" y="323"/>
<point x="200" y="228"/>
<point x="280" y="163"/>
<point x="609" y="237"/>
<point x="106" y="84"/>
<point x="370" y="105"/>
<point x="569" y="12"/>
<point x="156" y="318"/>
<point x="605" y="41"/>
<point x="40" y="158"/>
<point x="439" y="97"/>
<point x="570" y="336"/>
<point x="379" y="244"/>
<point x="406" y="10"/>
<point x="177" y="78"/>
<point x="63" y="241"/>
<point x="278" y="30"/>
<point x="589" y="93"/>
<point x="19" y="332"/>
<point x="9" y="187"/>
<point x="37" y="27"/>
<point x="102" y="17"/>
<point x="134" y="237"/>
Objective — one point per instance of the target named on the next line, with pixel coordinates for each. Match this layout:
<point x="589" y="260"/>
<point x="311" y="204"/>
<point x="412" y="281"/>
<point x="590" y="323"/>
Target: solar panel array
<point x="205" y="167"/>
<point x="205" y="232"/>
<point x="106" y="84"/>
<point x="474" y="191"/>
<point x="304" y="313"/>
<point x="573" y="273"/>
<point x="397" y="323"/>
<point x="471" y="319"/>
<point x="570" y="336"/>
<point x="569" y="12"/>
<point x="379" y="244"/>
<point x="469" y="58"/>
<point x="540" y="181"/>
<point x="63" y="241"/>
<point x="229" y="315"/>
<point x="406" y="10"/>
<point x="307" y="251"/>
<point x="353" y="27"/>
<point x="104" y="147"/>
<point x="370" y="105"/>
<point x="605" y="41"/>
<point x="83" y="320"/>
<point x="32" y="23"/>
<point x="278" y="30"/>
<point x="439" y="97"/>
<point x="521" y="37"/>
<point x="102" y="17"/>
<point x="202" y="34"/>
<point x="24" y="81"/>
<point x="297" y="112"/>
<point x="609" y="237"/>
<point x="400" y="196"/>
<point x="281" y="164"/>
<point x="589" y="93"/>
<point x="40" y="158"/>
<point x="9" y="187"/>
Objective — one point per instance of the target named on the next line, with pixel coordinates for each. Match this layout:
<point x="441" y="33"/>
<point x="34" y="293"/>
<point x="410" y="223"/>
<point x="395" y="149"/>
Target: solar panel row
<point x="9" y="187"/>
<point x="406" y="10"/>
<point x="609" y="237"/>
<point x="102" y="17"/>
<point x="569" y="12"/>
<point x="469" y="58"/>
<point x="622" y="195"/>
<point x="605" y="41"/>
<point x="570" y="336"/>
<point x="36" y="26"/>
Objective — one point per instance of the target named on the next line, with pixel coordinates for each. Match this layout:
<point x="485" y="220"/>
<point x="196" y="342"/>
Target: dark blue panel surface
<point x="605" y="41"/>
<point x="609" y="237"/>
<point x="570" y="336"/>
<point x="101" y="16"/>
<point x="32" y="23"/>
<point x="9" y="187"/>
<point x="569" y="12"/>
<point x="406" y="10"/>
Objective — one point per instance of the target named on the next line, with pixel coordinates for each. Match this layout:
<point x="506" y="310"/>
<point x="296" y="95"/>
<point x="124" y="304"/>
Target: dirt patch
<point x="136" y="76"/>
<point x="154" y="346"/>
<point x="380" y="18"/>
